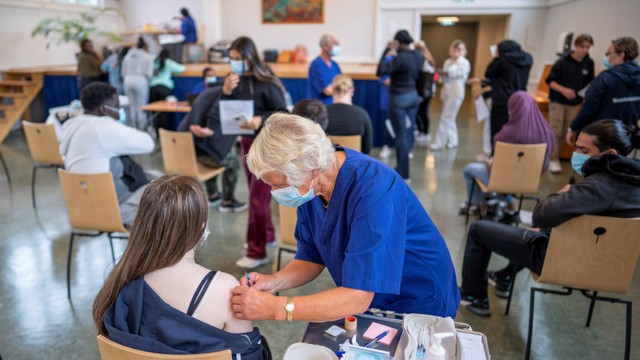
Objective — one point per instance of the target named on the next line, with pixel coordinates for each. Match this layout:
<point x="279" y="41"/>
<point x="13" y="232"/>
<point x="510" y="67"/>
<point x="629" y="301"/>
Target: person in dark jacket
<point x="570" y="74"/>
<point x="615" y="93"/>
<point x="507" y="73"/>
<point x="403" y="66"/>
<point x="611" y="187"/>
<point x="158" y="298"/>
<point x="213" y="148"/>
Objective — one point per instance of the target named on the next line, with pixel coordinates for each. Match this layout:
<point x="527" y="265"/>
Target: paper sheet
<point x="494" y="50"/>
<point x="482" y="111"/>
<point x="526" y="217"/>
<point x="233" y="113"/>
<point x="472" y="346"/>
<point x="582" y="92"/>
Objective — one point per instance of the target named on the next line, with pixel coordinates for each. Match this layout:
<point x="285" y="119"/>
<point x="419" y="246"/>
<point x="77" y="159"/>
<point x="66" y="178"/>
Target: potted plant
<point x="74" y="30"/>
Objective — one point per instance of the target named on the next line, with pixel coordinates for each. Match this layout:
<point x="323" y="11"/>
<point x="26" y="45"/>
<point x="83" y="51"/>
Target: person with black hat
<point x="403" y="65"/>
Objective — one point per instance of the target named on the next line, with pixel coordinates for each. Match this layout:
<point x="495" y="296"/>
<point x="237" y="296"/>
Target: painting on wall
<point x="292" y="11"/>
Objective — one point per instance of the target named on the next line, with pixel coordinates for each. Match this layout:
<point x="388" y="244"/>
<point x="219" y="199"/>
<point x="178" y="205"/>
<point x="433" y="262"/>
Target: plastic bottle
<point x="436" y="351"/>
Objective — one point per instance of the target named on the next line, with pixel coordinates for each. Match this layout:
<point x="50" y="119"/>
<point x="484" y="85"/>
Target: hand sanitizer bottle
<point x="436" y="351"/>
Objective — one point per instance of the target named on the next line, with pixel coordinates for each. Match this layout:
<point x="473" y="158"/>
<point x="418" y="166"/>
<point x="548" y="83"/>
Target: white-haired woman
<point x="357" y="218"/>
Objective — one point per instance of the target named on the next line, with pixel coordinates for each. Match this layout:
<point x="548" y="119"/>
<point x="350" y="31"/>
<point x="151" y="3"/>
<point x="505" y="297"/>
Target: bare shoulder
<point x="224" y="286"/>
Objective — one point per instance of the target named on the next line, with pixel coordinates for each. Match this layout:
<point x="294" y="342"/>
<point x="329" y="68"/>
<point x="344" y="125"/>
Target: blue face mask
<point x="290" y="196"/>
<point x="577" y="161"/>
<point x="122" y="114"/>
<point x="238" y="66"/>
<point x="335" y="50"/>
<point x="210" y="80"/>
<point x="606" y="62"/>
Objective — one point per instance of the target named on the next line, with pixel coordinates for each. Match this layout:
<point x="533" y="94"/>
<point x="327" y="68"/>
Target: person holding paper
<point x="568" y="76"/>
<point x="251" y="79"/>
<point x="357" y="218"/>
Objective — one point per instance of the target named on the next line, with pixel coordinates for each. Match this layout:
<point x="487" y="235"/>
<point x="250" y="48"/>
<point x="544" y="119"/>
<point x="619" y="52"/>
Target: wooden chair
<point x="590" y="254"/>
<point x="288" y="242"/>
<point x="44" y="148"/>
<point x="179" y="156"/>
<point x="92" y="205"/>
<point x="111" y="350"/>
<point x="516" y="169"/>
<point x="6" y="171"/>
<point x="353" y="142"/>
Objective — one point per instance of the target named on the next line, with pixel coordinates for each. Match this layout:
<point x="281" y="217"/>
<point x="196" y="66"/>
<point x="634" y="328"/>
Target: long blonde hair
<point x="422" y="47"/>
<point x="169" y="223"/>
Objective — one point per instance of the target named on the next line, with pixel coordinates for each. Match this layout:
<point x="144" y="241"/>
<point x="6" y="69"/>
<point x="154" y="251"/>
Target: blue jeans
<point x="401" y="106"/>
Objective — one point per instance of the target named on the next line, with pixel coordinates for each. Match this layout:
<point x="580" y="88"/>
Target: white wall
<point x="19" y="49"/>
<point x="604" y="20"/>
<point x="352" y="22"/>
<point x="142" y="12"/>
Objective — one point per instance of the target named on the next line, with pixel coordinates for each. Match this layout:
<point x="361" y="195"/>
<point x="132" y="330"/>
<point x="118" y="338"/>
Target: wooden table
<point x="163" y="106"/>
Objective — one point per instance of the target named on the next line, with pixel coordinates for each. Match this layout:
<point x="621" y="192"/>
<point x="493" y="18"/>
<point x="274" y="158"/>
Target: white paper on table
<point x="472" y="346"/>
<point x="582" y="92"/>
<point x="231" y="111"/>
<point x="482" y="111"/>
<point x="494" y="50"/>
<point x="526" y="217"/>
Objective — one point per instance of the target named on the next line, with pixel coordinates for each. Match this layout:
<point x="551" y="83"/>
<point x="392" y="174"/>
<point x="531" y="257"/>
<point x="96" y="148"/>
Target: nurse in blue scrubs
<point x="358" y="219"/>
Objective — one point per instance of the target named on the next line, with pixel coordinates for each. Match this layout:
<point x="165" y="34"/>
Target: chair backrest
<point x="178" y="153"/>
<point x="353" y="142"/>
<point x="43" y="143"/>
<point x="91" y="201"/>
<point x="111" y="350"/>
<point x="288" y="220"/>
<point x="517" y="168"/>
<point x="591" y="252"/>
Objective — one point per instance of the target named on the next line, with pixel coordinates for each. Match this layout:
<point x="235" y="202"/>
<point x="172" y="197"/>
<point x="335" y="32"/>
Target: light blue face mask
<point x="210" y="80"/>
<point x="122" y="114"/>
<point x="578" y="160"/>
<point x="238" y="66"/>
<point x="290" y="196"/>
<point x="606" y="62"/>
<point x="335" y="50"/>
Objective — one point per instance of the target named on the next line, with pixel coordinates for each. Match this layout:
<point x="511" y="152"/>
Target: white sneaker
<point x="555" y="167"/>
<point x="435" y="147"/>
<point x="249" y="263"/>
<point x="385" y="152"/>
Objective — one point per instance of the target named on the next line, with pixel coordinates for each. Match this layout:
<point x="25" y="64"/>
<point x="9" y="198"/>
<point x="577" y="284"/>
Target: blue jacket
<point x="188" y="29"/>
<point x="614" y="94"/>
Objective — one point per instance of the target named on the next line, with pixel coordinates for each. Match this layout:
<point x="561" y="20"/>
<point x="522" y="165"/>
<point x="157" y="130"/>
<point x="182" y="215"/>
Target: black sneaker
<point x="234" y="207"/>
<point x="478" y="306"/>
<point x="509" y="218"/>
<point x="215" y="199"/>
<point x="500" y="285"/>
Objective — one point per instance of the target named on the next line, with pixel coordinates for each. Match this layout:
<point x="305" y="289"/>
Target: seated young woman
<point x="158" y="298"/>
<point x="526" y="125"/>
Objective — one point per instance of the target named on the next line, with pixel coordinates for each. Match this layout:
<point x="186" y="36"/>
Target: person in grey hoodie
<point x="507" y="73"/>
<point x="615" y="93"/>
<point x="136" y="70"/>
<point x="611" y="187"/>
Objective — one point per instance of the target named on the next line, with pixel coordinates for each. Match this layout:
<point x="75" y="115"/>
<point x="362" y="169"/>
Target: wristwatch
<point x="289" y="307"/>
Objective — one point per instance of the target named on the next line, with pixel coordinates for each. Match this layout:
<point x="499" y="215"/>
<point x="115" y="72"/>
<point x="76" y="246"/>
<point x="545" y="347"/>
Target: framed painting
<point x="292" y="11"/>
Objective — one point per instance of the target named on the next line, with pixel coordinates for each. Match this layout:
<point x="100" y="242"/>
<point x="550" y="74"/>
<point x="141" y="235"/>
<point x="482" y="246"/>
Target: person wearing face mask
<point x="251" y="79"/>
<point x="611" y="187"/>
<point x="358" y="219"/>
<point x="570" y="74"/>
<point x="98" y="142"/>
<point x="158" y="298"/>
<point x="615" y="92"/>
<point x="323" y="69"/>
<point x="208" y="79"/>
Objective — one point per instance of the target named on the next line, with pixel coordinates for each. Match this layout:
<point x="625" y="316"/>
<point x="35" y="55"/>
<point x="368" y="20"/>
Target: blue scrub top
<point x="376" y="236"/>
<point x="188" y="29"/>
<point x="321" y="76"/>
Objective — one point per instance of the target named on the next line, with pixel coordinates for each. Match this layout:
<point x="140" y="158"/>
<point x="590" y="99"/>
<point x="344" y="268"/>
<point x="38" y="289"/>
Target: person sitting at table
<point x="158" y="298"/>
<point x="97" y="142"/>
<point x="611" y="187"/>
<point x="346" y="118"/>
<point x="357" y="218"/>
<point x="312" y="109"/>
<point x="162" y="84"/>
<point x="88" y="65"/>
<point x="137" y="70"/>
<point x="323" y="69"/>
<point x="526" y="125"/>
<point x="208" y="79"/>
<point x="214" y="149"/>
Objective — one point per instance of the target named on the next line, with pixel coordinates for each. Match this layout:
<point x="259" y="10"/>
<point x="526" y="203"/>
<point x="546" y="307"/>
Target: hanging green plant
<point x="75" y="30"/>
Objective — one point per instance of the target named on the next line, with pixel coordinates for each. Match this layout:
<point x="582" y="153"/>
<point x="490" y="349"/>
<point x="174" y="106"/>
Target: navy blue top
<point x="404" y="70"/>
<point x="570" y="73"/>
<point x="188" y="29"/>
<point x="320" y="76"/>
<point x="140" y="319"/>
<point x="376" y="236"/>
<point x="614" y="94"/>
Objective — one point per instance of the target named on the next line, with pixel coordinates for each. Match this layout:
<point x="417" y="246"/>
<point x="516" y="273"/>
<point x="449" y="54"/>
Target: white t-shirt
<point x="456" y="74"/>
<point x="88" y="143"/>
